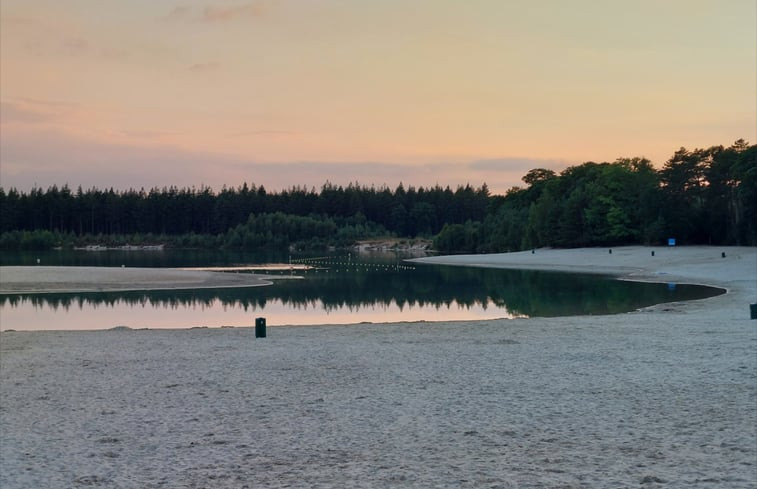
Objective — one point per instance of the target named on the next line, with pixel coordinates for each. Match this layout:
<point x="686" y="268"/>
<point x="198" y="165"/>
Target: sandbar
<point x="731" y="267"/>
<point x="44" y="279"/>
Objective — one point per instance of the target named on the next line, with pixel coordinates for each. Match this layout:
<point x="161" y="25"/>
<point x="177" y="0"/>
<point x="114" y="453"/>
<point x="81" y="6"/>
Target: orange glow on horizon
<point x="247" y="92"/>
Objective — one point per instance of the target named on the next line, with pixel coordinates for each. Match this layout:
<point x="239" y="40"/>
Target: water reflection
<point x="357" y="292"/>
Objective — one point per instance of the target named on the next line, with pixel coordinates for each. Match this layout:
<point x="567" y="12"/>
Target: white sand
<point x="737" y="272"/>
<point x="664" y="397"/>
<point x="20" y="280"/>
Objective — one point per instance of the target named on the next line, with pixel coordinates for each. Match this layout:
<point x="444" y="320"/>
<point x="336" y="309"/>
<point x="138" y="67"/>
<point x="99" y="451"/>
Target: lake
<point x="335" y="289"/>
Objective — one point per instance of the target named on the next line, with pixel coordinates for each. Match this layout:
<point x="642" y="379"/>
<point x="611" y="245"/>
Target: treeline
<point x="281" y="231"/>
<point x="704" y="196"/>
<point x="277" y="231"/>
<point x="202" y="218"/>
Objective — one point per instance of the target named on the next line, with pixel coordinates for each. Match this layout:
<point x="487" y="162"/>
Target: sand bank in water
<point x="693" y="263"/>
<point x="26" y="280"/>
<point x="736" y="272"/>
<point x="663" y="397"/>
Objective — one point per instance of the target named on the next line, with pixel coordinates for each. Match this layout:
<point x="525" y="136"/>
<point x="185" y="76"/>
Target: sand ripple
<point x="581" y="402"/>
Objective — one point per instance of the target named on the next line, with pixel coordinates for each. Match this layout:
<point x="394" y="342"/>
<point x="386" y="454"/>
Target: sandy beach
<point x="736" y="272"/>
<point x="661" y="397"/>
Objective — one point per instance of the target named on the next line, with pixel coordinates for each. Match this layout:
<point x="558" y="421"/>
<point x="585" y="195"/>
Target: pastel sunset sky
<point x="152" y="93"/>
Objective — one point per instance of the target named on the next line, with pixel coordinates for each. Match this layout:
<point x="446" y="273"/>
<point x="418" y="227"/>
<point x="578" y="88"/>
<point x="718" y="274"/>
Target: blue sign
<point x="671" y="241"/>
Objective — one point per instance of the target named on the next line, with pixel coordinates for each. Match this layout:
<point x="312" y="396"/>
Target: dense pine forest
<point x="703" y="196"/>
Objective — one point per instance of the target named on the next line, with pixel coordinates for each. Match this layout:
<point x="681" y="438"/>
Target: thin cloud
<point x="229" y="13"/>
<point x="13" y="112"/>
<point x="516" y="164"/>
<point x="204" y="67"/>
<point x="76" y="161"/>
<point x="34" y="48"/>
<point x="32" y="111"/>
<point x="45" y="103"/>
<point x="18" y="20"/>
<point x="114" y="54"/>
<point x="215" y="13"/>
<point x="263" y="132"/>
<point x="178" y="13"/>
<point x="75" y="45"/>
<point x="148" y="134"/>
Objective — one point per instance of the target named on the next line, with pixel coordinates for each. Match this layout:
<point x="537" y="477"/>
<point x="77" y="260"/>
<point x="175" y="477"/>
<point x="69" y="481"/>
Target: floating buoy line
<point x="347" y="264"/>
<point x="323" y="264"/>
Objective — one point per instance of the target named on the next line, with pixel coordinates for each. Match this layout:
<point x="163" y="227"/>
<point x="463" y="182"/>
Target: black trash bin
<point x="259" y="327"/>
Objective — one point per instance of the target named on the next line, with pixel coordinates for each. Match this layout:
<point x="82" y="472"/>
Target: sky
<point x="154" y="93"/>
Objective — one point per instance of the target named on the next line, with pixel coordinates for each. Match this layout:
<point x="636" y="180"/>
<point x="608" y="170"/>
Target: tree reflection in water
<point x="354" y="285"/>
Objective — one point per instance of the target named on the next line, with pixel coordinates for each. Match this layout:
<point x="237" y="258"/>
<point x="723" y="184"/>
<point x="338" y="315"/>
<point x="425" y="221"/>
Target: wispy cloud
<point x="233" y="12"/>
<point x="76" y="161"/>
<point x="50" y="157"/>
<point x="18" y="20"/>
<point x="263" y="132"/>
<point x="46" y="38"/>
<point x="178" y="13"/>
<point x="40" y="146"/>
<point x="75" y="45"/>
<point x="148" y="134"/>
<point x="502" y="174"/>
<point x="114" y="54"/>
<point x="46" y="46"/>
<point x="44" y="103"/>
<point x="11" y="112"/>
<point x="204" y="67"/>
<point x="516" y="164"/>
<point x="32" y="111"/>
<point x="215" y="13"/>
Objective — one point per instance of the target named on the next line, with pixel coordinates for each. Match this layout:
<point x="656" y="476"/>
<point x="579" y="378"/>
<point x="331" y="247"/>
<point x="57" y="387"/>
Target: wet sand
<point x="662" y="397"/>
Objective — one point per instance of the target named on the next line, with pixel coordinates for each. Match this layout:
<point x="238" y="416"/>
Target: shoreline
<point x="688" y="262"/>
<point x="663" y="396"/>
<point x="63" y="279"/>
<point x="696" y="265"/>
<point x="736" y="274"/>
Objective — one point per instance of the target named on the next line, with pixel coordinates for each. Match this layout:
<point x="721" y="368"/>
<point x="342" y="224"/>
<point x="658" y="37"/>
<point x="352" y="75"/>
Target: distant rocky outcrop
<point x="127" y="247"/>
<point x="412" y="245"/>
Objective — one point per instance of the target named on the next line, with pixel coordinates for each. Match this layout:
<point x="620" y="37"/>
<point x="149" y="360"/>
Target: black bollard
<point x="259" y="327"/>
<point x="753" y="311"/>
<point x="652" y="252"/>
<point x="611" y="251"/>
<point x="722" y="255"/>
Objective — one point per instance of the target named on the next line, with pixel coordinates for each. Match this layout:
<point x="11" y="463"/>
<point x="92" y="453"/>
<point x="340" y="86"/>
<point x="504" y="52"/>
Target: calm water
<point x="338" y="290"/>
